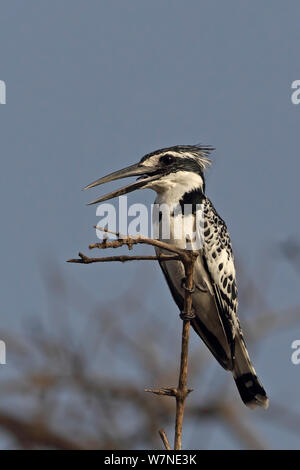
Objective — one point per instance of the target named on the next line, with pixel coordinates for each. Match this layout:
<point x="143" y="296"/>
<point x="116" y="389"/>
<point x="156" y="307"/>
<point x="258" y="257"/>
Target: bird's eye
<point x="167" y="159"/>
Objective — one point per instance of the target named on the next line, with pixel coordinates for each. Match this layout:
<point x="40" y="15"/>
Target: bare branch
<point x="182" y="391"/>
<point x="168" y="391"/>
<point x="164" y="438"/>
<point x="35" y="433"/>
<point x="83" y="259"/>
<point x="188" y="259"/>
<point x="134" y="240"/>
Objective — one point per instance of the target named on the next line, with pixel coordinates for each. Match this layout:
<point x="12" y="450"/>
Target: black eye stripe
<point x="167" y="159"/>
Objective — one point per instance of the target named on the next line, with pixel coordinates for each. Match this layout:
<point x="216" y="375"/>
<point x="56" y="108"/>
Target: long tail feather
<point x="251" y="390"/>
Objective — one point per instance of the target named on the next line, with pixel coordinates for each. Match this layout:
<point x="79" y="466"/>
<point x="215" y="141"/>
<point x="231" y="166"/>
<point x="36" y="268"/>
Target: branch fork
<point x="188" y="258"/>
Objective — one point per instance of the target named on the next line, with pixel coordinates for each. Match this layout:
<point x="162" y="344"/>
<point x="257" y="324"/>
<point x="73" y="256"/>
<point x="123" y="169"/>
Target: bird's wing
<point x="175" y="293"/>
<point x="219" y="260"/>
<point x="208" y="323"/>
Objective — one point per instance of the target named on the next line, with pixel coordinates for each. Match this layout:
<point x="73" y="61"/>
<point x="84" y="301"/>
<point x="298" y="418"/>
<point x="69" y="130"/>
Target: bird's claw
<point x="190" y="291"/>
<point x="188" y="316"/>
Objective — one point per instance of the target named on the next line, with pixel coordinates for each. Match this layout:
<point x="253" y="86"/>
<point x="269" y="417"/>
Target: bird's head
<point x="162" y="170"/>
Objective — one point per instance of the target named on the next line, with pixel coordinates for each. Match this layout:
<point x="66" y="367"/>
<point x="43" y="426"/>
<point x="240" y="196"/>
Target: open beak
<point x="133" y="170"/>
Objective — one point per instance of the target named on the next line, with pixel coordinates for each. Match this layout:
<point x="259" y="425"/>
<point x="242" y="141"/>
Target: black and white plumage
<point x="177" y="176"/>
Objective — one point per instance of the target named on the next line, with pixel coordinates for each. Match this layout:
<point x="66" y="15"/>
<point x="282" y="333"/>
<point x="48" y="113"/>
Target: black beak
<point x="133" y="170"/>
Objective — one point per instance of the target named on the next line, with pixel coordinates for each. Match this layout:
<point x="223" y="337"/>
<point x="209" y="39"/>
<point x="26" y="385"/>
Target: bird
<point x="177" y="175"/>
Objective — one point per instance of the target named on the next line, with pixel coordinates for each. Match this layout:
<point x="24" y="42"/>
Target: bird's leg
<point x="187" y="315"/>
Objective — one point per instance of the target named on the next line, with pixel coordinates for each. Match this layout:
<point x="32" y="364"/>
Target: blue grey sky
<point x="94" y="85"/>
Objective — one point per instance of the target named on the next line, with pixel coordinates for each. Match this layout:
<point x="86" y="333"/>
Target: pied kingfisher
<point x="176" y="174"/>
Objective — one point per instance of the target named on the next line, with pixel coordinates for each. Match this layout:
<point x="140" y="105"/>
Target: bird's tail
<point x="251" y="390"/>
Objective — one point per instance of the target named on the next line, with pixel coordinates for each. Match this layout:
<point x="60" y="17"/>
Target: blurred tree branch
<point x="64" y="372"/>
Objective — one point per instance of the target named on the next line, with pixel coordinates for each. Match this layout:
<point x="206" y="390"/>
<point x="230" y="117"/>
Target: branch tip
<point x="164" y="438"/>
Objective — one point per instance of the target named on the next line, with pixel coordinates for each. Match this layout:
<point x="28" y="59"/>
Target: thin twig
<point x="83" y="259"/>
<point x="135" y="240"/>
<point x="164" y="438"/>
<point x="182" y="390"/>
<point x="169" y="392"/>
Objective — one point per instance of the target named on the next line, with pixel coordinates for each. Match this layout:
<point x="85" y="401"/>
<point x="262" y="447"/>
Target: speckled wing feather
<point x="219" y="259"/>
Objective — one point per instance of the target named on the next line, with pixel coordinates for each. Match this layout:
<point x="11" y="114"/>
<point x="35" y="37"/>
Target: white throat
<point x="172" y="187"/>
